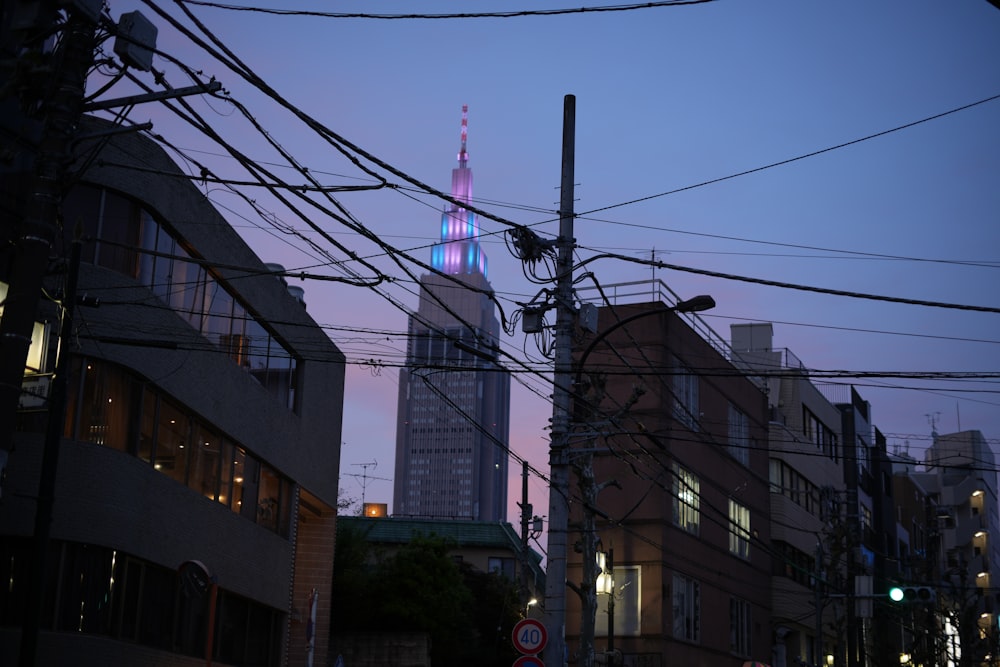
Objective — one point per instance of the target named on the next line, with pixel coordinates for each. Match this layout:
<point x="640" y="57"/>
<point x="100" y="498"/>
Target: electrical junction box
<point x="136" y="40"/>
<point x="533" y="320"/>
<point x="587" y="317"/>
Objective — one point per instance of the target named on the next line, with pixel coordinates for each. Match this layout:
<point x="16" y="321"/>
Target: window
<point x="739" y="435"/>
<point x="111" y="406"/>
<point x="626" y="607"/>
<point x="501" y="566"/>
<point x="864" y="457"/>
<point x="103" y="592"/>
<point x="685" y="499"/>
<point x="739" y="529"/>
<point x="685" y="396"/>
<point x="818" y="434"/>
<point x="687" y="609"/>
<point x="129" y="240"/>
<point x="793" y="564"/>
<point x="739" y="627"/>
<point x="787" y="481"/>
<point x="104" y="405"/>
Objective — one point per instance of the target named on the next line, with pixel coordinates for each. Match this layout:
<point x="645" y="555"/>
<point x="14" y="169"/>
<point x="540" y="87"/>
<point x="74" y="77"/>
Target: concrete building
<point x="807" y="489"/>
<point x="678" y="435"/>
<point x="960" y="476"/>
<point x="195" y="501"/>
<point x="454" y="398"/>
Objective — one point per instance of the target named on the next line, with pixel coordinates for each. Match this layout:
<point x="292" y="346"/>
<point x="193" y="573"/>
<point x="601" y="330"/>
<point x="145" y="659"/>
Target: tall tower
<point x="454" y="398"/>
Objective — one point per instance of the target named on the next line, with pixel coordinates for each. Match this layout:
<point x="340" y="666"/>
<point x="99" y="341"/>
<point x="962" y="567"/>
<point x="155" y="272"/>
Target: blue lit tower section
<point x="454" y="397"/>
<point x="459" y="252"/>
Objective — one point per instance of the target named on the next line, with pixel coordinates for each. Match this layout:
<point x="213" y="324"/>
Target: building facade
<point x="960" y="477"/>
<point x="678" y="438"/>
<point x="196" y="490"/>
<point x="454" y="397"/>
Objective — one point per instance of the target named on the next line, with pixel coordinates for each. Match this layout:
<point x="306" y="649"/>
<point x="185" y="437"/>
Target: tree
<point x="469" y="615"/>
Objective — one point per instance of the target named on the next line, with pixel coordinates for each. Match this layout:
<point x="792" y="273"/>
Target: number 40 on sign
<point x="529" y="636"/>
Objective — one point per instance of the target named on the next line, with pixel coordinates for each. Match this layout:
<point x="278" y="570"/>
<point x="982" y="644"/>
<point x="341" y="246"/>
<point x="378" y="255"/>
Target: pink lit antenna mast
<point x="463" y="155"/>
<point x="459" y="251"/>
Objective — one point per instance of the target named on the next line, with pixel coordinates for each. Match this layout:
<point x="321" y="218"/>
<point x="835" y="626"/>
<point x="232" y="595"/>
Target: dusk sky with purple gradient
<point x="690" y="119"/>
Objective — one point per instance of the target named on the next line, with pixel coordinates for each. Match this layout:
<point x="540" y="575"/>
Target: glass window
<point x="739" y="435"/>
<point x="173" y="433"/>
<point x="239" y="479"/>
<point x="205" y="458"/>
<point x="218" y="325"/>
<point x="237" y="344"/>
<point x="739" y="529"/>
<point x="119" y="235"/>
<point x="685" y="396"/>
<point x="687" y="609"/>
<point x="273" y="500"/>
<point x="147" y="425"/>
<point x="280" y="378"/>
<point x="257" y="341"/>
<point x="104" y="406"/>
<point x="739" y="627"/>
<point x="627" y="606"/>
<point x="685" y="498"/>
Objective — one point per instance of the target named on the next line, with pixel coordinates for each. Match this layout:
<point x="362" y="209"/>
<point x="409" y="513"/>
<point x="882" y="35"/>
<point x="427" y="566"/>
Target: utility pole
<point x="554" y="654"/>
<point x="36" y="234"/>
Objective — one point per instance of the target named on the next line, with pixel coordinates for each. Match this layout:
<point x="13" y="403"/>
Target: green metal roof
<point x="463" y="533"/>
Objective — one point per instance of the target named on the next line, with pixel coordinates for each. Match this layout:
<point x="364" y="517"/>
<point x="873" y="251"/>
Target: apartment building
<point x="678" y="436"/>
<point x="196" y="490"/>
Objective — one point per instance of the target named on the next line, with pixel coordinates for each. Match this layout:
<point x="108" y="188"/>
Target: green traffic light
<point x="896" y="594"/>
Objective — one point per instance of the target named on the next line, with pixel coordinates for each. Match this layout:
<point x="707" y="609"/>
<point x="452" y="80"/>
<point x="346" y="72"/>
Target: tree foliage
<point x="469" y="615"/>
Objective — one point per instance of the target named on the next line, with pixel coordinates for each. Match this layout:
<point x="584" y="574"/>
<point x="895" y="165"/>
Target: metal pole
<point x="611" y="607"/>
<point x="818" y="641"/>
<point x="554" y="654"/>
<point x="526" y="512"/>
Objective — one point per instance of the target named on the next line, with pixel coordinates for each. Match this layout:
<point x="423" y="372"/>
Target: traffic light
<point x="912" y="594"/>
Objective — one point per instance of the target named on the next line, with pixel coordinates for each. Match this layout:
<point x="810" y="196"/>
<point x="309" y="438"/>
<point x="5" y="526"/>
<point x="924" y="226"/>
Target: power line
<point x="797" y="158"/>
<point x="467" y="15"/>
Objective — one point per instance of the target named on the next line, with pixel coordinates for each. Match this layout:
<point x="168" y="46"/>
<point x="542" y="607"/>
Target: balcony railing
<point x="646" y="291"/>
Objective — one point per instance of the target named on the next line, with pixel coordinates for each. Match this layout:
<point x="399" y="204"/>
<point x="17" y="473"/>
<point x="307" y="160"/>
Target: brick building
<point x="683" y="433"/>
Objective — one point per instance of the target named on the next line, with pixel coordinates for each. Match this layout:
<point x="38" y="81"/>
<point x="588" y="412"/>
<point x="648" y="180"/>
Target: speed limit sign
<point x="529" y="636"/>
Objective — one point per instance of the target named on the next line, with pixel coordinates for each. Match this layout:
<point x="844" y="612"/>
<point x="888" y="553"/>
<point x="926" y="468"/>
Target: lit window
<point x="739" y="529"/>
<point x="685" y="499"/>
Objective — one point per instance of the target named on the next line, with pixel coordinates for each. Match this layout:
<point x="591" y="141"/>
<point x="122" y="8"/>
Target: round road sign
<point x="529" y="637"/>
<point x="529" y="661"/>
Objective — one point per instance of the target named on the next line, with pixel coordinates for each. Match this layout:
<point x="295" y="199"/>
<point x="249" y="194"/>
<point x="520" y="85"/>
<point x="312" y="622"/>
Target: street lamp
<point x="589" y="488"/>
<point x="695" y="304"/>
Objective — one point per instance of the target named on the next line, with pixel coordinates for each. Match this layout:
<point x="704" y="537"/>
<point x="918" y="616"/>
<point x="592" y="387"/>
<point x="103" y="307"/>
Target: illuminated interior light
<point x="977" y="493"/>
<point x="980" y="533"/>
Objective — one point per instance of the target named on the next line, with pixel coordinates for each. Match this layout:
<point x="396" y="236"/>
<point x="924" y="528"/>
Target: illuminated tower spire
<point x="463" y="155"/>
<point x="459" y="252"/>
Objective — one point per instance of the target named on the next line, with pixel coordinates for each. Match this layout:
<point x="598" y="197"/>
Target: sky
<point x="851" y="146"/>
